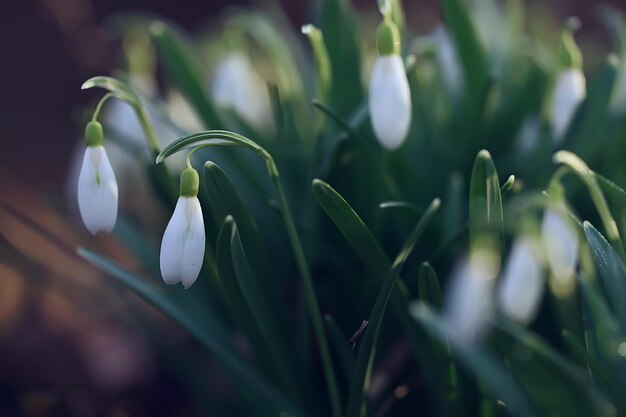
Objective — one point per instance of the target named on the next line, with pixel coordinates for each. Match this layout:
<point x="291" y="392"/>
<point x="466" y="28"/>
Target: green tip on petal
<point x="189" y="183"/>
<point x="93" y="134"/>
<point x="388" y="38"/>
<point x="569" y="53"/>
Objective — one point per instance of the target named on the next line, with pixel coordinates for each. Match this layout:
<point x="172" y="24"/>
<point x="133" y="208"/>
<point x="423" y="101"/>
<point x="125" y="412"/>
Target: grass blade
<point x="209" y="335"/>
<point x="367" y="350"/>
<point x="486" y="367"/>
<point x="486" y="221"/>
<point x="185" y="71"/>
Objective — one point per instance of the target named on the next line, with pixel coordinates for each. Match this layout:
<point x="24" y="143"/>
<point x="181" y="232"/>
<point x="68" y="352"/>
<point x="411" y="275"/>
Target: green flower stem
<point x="103" y="100"/>
<point x="148" y="130"/>
<point x="309" y="291"/>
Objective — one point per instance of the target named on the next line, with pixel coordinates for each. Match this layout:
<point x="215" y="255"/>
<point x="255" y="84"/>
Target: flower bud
<point x="522" y="284"/>
<point x="97" y="187"/>
<point x="560" y="242"/>
<point x="182" y="247"/>
<point x="469" y="299"/>
<point x="570" y="88"/>
<point x="390" y="96"/>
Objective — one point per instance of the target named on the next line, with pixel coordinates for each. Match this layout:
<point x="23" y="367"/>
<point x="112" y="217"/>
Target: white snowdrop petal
<point x="522" y="284"/>
<point x="469" y="299"/>
<point x="97" y="191"/>
<point x="193" y="252"/>
<point x="569" y="92"/>
<point x="390" y="101"/>
<point x="560" y="242"/>
<point x="182" y="247"/>
<point x="173" y="243"/>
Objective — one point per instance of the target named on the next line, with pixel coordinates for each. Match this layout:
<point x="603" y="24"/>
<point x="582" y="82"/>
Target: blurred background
<point x="69" y="344"/>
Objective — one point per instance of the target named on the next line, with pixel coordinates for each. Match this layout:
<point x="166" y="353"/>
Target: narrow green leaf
<point x="185" y="70"/>
<point x="428" y="286"/>
<point x="414" y="208"/>
<point x="585" y="133"/>
<point x="207" y="333"/>
<point x="342" y="351"/>
<point x="120" y="89"/>
<point x="338" y="23"/>
<point x="486" y="221"/>
<point x="224" y="200"/>
<point x="322" y="61"/>
<point x="469" y="48"/>
<point x="352" y="227"/>
<point x="611" y="269"/>
<point x="582" y="171"/>
<point x="367" y="350"/>
<point x="208" y="138"/>
<point x="263" y="313"/>
<point x="486" y="367"/>
<point x="584" y="356"/>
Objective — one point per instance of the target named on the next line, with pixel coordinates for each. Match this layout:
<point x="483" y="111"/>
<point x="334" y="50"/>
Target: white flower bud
<point x="560" y="242"/>
<point x="522" y="284"/>
<point x="182" y="247"/>
<point x="236" y="84"/>
<point x="97" y="191"/>
<point x="570" y="90"/>
<point x="390" y="101"/>
<point x="469" y="299"/>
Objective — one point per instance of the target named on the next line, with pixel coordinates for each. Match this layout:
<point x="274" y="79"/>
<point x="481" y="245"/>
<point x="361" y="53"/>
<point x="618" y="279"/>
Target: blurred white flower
<point x="469" y="298"/>
<point x="97" y="191"/>
<point x="448" y="61"/>
<point x="570" y="90"/>
<point x="237" y="85"/>
<point x="390" y="101"/>
<point x="182" y="247"/>
<point x="522" y="284"/>
<point x="527" y="138"/>
<point x="560" y="242"/>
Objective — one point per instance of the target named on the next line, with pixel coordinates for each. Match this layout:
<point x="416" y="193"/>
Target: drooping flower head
<point x="570" y="88"/>
<point x="389" y="93"/>
<point x="522" y="284"/>
<point x="182" y="247"/>
<point x="97" y="186"/>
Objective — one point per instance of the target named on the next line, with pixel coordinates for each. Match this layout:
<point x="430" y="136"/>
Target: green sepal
<point x="93" y="134"/>
<point x="388" y="38"/>
<point x="189" y="183"/>
<point x="569" y="52"/>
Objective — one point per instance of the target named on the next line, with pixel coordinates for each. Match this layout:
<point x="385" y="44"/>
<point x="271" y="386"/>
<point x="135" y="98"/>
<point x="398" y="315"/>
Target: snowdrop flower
<point x="182" y="247"/>
<point x="469" y="300"/>
<point x="560" y="242"/>
<point x="237" y="85"/>
<point x="389" y="93"/>
<point x="522" y="283"/>
<point x="570" y="88"/>
<point x="97" y="186"/>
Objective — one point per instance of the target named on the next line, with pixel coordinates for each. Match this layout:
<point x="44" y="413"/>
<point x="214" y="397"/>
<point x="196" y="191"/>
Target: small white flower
<point x="522" y="284"/>
<point x="569" y="92"/>
<point x="560" y="242"/>
<point x="469" y="299"/>
<point x="390" y="101"/>
<point x="182" y="247"/>
<point x="97" y="191"/>
<point x="236" y="84"/>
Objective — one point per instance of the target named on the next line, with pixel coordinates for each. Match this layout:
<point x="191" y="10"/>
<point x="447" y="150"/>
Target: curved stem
<point x="103" y="100"/>
<point x="308" y="289"/>
<point x="147" y="128"/>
